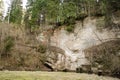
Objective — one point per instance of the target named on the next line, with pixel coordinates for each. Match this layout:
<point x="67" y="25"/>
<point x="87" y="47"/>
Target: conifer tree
<point x="16" y="12"/>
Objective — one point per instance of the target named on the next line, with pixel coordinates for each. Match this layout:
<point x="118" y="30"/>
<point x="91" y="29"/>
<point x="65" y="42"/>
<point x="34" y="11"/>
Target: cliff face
<point x="20" y="50"/>
<point x="85" y="35"/>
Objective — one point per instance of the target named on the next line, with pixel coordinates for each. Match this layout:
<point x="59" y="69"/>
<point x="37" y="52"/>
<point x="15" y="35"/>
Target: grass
<point x="23" y="75"/>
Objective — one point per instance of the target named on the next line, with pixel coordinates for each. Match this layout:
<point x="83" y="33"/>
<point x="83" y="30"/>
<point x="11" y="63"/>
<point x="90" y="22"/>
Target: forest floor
<point x="38" y="75"/>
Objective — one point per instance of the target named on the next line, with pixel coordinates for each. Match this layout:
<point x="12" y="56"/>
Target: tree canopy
<point x="15" y="13"/>
<point x="61" y="11"/>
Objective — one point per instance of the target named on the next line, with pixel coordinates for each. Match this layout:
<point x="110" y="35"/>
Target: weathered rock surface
<point x="73" y="44"/>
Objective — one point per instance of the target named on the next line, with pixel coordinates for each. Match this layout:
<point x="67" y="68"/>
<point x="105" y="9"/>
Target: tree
<point x="1" y="10"/>
<point x="35" y="9"/>
<point x="53" y="10"/>
<point x="16" y="12"/>
<point x="110" y="7"/>
<point x="58" y="11"/>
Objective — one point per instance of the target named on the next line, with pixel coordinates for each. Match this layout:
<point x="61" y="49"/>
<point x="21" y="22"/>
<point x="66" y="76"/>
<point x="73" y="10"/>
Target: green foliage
<point x="70" y="28"/>
<point x="9" y="43"/>
<point x="52" y="11"/>
<point x="81" y="16"/>
<point x="69" y="21"/>
<point x="110" y="7"/>
<point x="35" y="9"/>
<point x="6" y="46"/>
<point x="55" y="11"/>
<point x="16" y="12"/>
<point x="69" y="9"/>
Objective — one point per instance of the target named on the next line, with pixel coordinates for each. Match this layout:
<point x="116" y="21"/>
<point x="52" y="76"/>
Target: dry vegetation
<point x="106" y="55"/>
<point x="18" y="50"/>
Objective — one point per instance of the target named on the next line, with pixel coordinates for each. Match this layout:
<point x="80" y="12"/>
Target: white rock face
<point x="74" y="43"/>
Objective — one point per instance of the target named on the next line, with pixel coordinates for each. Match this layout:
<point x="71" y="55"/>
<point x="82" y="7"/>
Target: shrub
<point x="81" y="16"/>
<point x="70" y="28"/>
<point x="8" y="43"/>
<point x="106" y="55"/>
<point x="69" y="21"/>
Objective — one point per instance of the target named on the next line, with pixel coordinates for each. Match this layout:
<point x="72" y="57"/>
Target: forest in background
<point x="60" y="12"/>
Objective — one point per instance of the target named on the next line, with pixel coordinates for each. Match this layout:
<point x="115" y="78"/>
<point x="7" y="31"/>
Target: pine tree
<point x="16" y="12"/>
